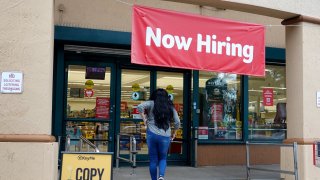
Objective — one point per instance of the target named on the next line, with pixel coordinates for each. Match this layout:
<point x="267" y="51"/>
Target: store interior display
<point x="97" y="133"/>
<point x="137" y="130"/>
<point x="95" y="106"/>
<point x="268" y="120"/>
<point x="220" y="107"/>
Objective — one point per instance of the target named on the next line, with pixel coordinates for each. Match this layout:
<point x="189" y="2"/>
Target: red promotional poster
<point x="102" y="107"/>
<point x="203" y="132"/>
<point x="216" y="111"/>
<point x="181" y="40"/>
<point x="267" y="94"/>
<point x="135" y="112"/>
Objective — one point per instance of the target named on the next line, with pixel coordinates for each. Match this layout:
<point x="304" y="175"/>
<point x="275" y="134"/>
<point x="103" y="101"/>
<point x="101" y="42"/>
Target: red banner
<point x="180" y="40"/>
<point x="267" y="94"/>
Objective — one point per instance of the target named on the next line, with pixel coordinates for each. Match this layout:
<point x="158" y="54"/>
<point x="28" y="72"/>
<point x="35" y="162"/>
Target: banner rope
<point x="126" y="3"/>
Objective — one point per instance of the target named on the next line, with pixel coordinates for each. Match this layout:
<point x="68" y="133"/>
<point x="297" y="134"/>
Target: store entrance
<point x="90" y="105"/>
<point x="101" y="96"/>
<point x="135" y="87"/>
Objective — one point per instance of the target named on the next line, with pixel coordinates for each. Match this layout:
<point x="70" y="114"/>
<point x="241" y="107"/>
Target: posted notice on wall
<point x="318" y="99"/>
<point x="11" y="82"/>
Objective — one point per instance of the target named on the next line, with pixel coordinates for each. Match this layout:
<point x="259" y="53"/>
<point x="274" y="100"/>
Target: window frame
<point x="274" y="56"/>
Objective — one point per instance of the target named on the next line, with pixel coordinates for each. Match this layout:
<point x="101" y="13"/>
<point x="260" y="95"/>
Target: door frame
<point x="75" y="59"/>
<point x="185" y="159"/>
<point x="116" y="63"/>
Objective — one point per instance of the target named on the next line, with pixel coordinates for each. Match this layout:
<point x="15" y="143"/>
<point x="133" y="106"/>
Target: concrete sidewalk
<point x="200" y="173"/>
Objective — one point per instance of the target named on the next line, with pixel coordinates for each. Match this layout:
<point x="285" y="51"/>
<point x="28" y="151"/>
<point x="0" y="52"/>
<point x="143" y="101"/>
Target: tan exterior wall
<point x="306" y="169"/>
<point x="114" y="15"/>
<point x="308" y="8"/>
<point x="26" y="45"/>
<point x="213" y="155"/>
<point x="283" y="9"/>
<point x="311" y="80"/>
<point x="28" y="161"/>
<point x="303" y="64"/>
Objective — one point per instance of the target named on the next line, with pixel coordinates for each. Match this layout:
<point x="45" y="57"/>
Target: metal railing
<point x="132" y="151"/>
<point x="82" y="140"/>
<point x="295" y="159"/>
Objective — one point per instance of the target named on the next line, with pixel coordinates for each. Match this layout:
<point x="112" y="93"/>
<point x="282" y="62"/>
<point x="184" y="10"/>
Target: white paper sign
<point x="318" y="99"/>
<point x="11" y="82"/>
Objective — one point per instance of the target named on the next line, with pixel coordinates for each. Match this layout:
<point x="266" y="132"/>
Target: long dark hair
<point x="162" y="110"/>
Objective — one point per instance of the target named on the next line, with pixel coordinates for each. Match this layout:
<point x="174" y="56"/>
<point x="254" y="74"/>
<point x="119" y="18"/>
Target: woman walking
<point x="157" y="113"/>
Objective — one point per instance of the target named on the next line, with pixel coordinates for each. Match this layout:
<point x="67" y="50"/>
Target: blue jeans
<point x="158" y="148"/>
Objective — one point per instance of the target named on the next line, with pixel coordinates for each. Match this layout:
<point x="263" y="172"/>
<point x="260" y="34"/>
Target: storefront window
<point x="88" y="94"/>
<point x="219" y="106"/>
<point x="135" y="88"/>
<point x="88" y="98"/>
<point x="267" y="104"/>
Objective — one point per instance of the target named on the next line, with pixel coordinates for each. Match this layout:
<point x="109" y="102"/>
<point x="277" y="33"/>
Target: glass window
<point x="88" y="93"/>
<point x="97" y="133"/>
<point x="135" y="88"/>
<point x="267" y="104"/>
<point x="88" y="97"/>
<point x="137" y="129"/>
<point x="219" y="106"/>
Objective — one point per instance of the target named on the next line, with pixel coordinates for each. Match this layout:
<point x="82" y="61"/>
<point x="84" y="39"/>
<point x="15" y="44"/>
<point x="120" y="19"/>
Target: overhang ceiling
<point x="236" y="6"/>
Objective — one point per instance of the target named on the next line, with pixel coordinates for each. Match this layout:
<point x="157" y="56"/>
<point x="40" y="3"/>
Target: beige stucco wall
<point x="303" y="62"/>
<point x="308" y="8"/>
<point x="26" y="44"/>
<point x="311" y="80"/>
<point x="28" y="161"/>
<point x="306" y="169"/>
<point x="114" y="15"/>
<point x="283" y="9"/>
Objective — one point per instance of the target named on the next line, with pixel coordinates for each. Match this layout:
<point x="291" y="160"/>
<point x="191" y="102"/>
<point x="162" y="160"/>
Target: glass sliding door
<point x="101" y="101"/>
<point x="89" y="109"/>
<point x="135" y="88"/>
<point x="173" y="82"/>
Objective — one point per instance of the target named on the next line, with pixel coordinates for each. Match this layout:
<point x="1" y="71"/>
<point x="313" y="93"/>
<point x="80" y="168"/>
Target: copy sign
<point x="86" y="166"/>
<point x="180" y="40"/>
